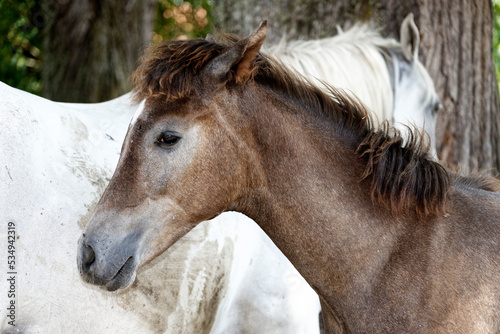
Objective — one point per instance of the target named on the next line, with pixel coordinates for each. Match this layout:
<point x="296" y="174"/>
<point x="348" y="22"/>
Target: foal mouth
<point x="124" y="277"/>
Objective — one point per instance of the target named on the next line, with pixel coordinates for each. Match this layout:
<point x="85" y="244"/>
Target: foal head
<point x="213" y="118"/>
<point x="180" y="162"/>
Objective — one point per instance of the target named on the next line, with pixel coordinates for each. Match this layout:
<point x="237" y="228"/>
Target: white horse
<point x="56" y="160"/>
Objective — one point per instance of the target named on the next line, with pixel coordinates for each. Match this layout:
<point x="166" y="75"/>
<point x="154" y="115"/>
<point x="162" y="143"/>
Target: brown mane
<point x="168" y="69"/>
<point x="403" y="175"/>
<point x="403" y="178"/>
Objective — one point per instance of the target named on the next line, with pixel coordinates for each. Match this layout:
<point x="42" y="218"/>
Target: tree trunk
<point x="293" y="19"/>
<point x="456" y="40"/>
<point x="456" y="49"/>
<point x="91" y="47"/>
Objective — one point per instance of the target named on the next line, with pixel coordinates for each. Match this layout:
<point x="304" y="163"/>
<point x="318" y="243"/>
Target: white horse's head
<point x="416" y="102"/>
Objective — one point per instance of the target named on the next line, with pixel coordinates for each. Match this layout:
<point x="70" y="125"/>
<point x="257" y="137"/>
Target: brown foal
<point x="391" y="241"/>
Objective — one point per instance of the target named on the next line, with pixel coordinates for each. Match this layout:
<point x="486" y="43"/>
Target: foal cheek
<point x="212" y="183"/>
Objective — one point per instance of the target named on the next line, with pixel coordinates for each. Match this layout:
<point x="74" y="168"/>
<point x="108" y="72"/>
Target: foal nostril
<point x="88" y="257"/>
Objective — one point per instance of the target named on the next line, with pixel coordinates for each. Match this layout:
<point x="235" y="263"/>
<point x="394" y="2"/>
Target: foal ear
<point x="410" y="38"/>
<point x="241" y="55"/>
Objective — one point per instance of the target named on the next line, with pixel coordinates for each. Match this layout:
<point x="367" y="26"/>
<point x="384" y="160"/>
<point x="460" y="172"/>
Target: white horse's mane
<point x="359" y="35"/>
<point x="350" y="60"/>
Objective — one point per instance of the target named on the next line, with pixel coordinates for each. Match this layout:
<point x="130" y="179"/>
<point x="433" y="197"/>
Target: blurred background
<point x="85" y="50"/>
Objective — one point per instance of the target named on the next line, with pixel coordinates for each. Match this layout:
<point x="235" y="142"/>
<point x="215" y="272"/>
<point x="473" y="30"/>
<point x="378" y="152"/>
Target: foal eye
<point x="167" y="140"/>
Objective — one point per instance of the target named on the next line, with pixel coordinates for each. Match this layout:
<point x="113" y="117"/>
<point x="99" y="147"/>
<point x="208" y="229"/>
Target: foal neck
<point x="307" y="192"/>
<point x="308" y="196"/>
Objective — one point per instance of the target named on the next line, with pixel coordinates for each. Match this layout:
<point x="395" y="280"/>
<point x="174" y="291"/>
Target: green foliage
<point x="496" y="36"/>
<point x="21" y="22"/>
<point x="20" y="45"/>
<point x="177" y="19"/>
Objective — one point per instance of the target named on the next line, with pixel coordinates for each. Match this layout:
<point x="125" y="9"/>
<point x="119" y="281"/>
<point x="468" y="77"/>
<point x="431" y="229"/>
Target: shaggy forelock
<point x="167" y="69"/>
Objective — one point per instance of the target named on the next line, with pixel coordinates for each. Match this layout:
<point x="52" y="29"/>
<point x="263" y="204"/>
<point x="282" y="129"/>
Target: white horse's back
<point x="56" y="160"/>
<point x="50" y="174"/>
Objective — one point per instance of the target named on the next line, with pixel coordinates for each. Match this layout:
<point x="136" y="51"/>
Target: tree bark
<point x="456" y="49"/>
<point x="91" y="47"/>
<point x="293" y="19"/>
